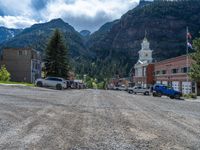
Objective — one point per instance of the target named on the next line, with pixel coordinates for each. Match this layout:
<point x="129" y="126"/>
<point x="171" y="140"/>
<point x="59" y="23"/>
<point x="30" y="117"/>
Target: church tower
<point x="144" y="61"/>
<point x="145" y="54"/>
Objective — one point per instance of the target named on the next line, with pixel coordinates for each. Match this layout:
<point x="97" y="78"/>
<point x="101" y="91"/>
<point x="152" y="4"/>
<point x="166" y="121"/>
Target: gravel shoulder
<point x="37" y="118"/>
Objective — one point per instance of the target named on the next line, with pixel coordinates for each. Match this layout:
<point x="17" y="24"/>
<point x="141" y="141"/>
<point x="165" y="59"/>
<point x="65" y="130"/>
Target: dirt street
<point x="45" y="119"/>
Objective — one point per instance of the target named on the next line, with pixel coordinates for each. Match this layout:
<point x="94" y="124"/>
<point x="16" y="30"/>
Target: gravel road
<point x="45" y="119"/>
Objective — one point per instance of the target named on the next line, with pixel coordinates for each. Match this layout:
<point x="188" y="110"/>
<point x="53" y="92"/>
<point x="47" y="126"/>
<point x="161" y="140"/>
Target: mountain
<point x="7" y="34"/>
<point x="144" y="2"/>
<point x="100" y="34"/>
<point x="85" y="36"/>
<point x="37" y="37"/>
<point x="85" y="33"/>
<point x="165" y="23"/>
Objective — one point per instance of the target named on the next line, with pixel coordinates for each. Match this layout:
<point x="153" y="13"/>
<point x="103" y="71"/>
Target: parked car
<point x="81" y="86"/>
<point x="68" y="83"/>
<point x="139" y="89"/>
<point x="120" y="88"/>
<point x="159" y="90"/>
<point x="56" y="82"/>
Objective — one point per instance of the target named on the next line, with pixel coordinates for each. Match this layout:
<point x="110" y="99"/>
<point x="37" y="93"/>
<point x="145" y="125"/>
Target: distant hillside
<point x="7" y="34"/>
<point x="85" y="33"/>
<point x="85" y="36"/>
<point x="101" y="33"/>
<point x="37" y="37"/>
<point x="165" y="23"/>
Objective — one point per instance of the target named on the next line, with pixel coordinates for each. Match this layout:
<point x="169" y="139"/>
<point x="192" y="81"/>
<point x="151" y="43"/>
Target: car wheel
<point x="131" y="92"/>
<point x="39" y="84"/>
<point x="177" y="96"/>
<point x="59" y="87"/>
<point x="146" y="93"/>
<point x="159" y="94"/>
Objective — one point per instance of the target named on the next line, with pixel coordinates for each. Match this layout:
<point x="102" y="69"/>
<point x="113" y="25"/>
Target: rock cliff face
<point x="100" y="34"/>
<point x="6" y="33"/>
<point x="165" y="23"/>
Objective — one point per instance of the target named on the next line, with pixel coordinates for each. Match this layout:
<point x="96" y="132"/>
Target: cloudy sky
<point x="81" y="14"/>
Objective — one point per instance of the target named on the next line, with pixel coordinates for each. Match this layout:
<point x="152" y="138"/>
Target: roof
<point x="172" y="59"/>
<point x="22" y="49"/>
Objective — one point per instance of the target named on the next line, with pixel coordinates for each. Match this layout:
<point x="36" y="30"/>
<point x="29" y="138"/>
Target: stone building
<point x="144" y="68"/>
<point x="24" y="64"/>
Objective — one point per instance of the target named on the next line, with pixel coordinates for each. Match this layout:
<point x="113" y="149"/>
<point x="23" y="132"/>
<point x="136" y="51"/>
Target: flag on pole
<point x="189" y="45"/>
<point x="189" y="36"/>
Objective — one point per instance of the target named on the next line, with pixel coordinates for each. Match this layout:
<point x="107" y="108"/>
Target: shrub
<point x="189" y="96"/>
<point x="4" y="74"/>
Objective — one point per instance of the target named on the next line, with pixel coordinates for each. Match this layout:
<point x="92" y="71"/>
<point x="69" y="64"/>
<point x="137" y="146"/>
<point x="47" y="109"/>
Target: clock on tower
<point x="145" y="54"/>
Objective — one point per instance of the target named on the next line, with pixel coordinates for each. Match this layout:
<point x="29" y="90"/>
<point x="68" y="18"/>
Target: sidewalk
<point x="193" y="100"/>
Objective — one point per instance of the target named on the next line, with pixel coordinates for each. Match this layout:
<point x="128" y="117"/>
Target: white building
<point x="145" y="58"/>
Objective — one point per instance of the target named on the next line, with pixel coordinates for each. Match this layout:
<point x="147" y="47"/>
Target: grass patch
<point x="20" y="83"/>
<point x="190" y="96"/>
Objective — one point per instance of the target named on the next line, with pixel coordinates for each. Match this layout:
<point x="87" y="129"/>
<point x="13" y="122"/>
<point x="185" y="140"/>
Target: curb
<point x="193" y="100"/>
<point x="13" y="85"/>
<point x="16" y="85"/>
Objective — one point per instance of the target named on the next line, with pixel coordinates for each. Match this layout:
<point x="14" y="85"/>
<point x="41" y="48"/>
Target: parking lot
<point x="36" y="118"/>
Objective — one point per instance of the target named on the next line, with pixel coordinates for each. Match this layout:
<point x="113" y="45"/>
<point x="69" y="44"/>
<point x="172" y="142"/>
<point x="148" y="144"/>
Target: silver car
<point x="55" y="82"/>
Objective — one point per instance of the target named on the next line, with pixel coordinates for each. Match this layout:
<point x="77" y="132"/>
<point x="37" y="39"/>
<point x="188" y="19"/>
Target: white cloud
<point x="16" y="21"/>
<point x="82" y="14"/>
<point x="16" y="7"/>
<point x="88" y="8"/>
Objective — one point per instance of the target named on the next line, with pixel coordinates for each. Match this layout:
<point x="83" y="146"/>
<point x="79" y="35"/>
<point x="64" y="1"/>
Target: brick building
<point x="173" y="72"/>
<point x="24" y="64"/>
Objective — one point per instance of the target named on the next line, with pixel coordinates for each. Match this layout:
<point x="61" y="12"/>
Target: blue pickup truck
<point x="160" y="90"/>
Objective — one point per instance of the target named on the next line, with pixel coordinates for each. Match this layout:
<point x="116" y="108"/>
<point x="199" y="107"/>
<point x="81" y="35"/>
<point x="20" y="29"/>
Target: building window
<point x="174" y="71"/>
<point x="163" y="71"/>
<point x="184" y="69"/>
<point x="20" y="53"/>
<point x="157" y="72"/>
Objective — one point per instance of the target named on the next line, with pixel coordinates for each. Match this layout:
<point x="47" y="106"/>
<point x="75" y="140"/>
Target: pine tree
<point x="195" y="69"/>
<point x="56" y="59"/>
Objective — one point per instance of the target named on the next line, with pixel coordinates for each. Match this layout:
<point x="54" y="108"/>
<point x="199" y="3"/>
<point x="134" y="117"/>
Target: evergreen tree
<point x="195" y="69"/>
<point x="56" y="59"/>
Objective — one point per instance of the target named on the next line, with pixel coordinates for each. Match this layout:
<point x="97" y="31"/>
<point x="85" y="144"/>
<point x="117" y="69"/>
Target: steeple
<point x="145" y="54"/>
<point x="145" y="43"/>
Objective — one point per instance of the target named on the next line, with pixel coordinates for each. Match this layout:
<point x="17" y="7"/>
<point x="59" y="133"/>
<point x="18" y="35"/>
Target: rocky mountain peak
<point x="85" y="33"/>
